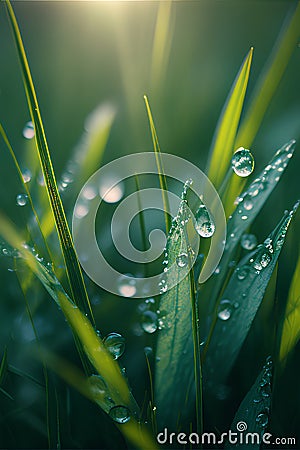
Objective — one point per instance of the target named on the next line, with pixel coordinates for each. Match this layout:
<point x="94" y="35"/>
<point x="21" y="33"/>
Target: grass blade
<point x="162" y="177"/>
<point x="3" y="366"/>
<point x="225" y="134"/>
<point x="249" y="205"/>
<point x="74" y="273"/>
<point x="244" y="294"/>
<point x="254" y="412"/>
<point x="270" y="78"/>
<point x="291" y="325"/>
<point x="177" y="366"/>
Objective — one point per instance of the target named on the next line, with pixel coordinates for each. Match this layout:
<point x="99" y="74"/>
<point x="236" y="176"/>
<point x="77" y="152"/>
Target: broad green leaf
<point x="248" y="206"/>
<point x="177" y="366"/>
<point x="3" y="366"/>
<point x="252" y="418"/>
<point x="161" y="175"/>
<point x="74" y="273"/>
<point x="223" y="142"/>
<point x="291" y="325"/>
<point x="240" y="302"/>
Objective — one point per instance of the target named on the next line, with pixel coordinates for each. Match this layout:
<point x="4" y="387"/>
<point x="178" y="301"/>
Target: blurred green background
<point x="185" y="58"/>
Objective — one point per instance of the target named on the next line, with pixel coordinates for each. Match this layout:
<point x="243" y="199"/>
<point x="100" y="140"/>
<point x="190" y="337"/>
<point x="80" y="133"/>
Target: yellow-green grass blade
<point x="161" y="43"/>
<point x="254" y="411"/>
<point x="291" y="324"/>
<point x="244" y="292"/>
<point x="263" y="93"/>
<point x="270" y="78"/>
<point x="223" y="142"/>
<point x="74" y="273"/>
<point x="162" y="177"/>
<point x="92" y="344"/>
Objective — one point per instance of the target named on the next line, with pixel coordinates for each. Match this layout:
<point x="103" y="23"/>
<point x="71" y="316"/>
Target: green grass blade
<point x="162" y="177"/>
<point x="291" y="325"/>
<point x="254" y="197"/>
<point x="74" y="273"/>
<point x="245" y="292"/>
<point x="254" y="411"/>
<point x="176" y="354"/>
<point x="3" y="366"/>
<point x="270" y="78"/>
<point x="223" y="142"/>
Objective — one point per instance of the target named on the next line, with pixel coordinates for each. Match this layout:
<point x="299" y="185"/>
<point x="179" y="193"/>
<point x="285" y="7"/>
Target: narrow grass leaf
<point x="3" y="366"/>
<point x="161" y="175"/>
<point x="174" y="371"/>
<point x="252" y="417"/>
<point x="270" y="78"/>
<point x="225" y="134"/>
<point x="240" y="302"/>
<point x="291" y="324"/>
<point x="75" y="277"/>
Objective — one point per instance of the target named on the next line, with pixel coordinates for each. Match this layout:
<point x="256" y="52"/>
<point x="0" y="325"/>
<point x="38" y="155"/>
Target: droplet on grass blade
<point x="119" y="414"/>
<point x="225" y="310"/>
<point x="242" y="162"/>
<point x="149" y="322"/>
<point x="248" y="241"/>
<point x="115" y="344"/>
<point x="22" y="199"/>
<point x="126" y="286"/>
<point x="204" y="224"/>
<point x="182" y="260"/>
<point x="28" y="130"/>
<point x="26" y="175"/>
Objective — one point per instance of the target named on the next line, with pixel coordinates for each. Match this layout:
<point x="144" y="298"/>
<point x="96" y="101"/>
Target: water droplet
<point x="204" y="225"/>
<point x="224" y="310"/>
<point x="242" y="162"/>
<point x="22" y="199"/>
<point x="262" y="419"/>
<point x="111" y="194"/>
<point x="28" y="130"/>
<point x="262" y="261"/>
<point x="248" y="241"/>
<point x="248" y="204"/>
<point x="115" y="344"/>
<point x="148" y="351"/>
<point x="26" y="174"/>
<point x="182" y="260"/>
<point x="97" y="386"/>
<point x="119" y="414"/>
<point x="242" y="272"/>
<point x="149" y="322"/>
<point x="126" y="286"/>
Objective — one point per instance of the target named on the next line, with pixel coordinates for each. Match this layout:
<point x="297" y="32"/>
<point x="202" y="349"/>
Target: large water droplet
<point x="115" y="344"/>
<point x="119" y="414"/>
<point x="149" y="322"/>
<point x="22" y="199"/>
<point x="26" y="174"/>
<point x="248" y="241"/>
<point x="225" y="310"/>
<point x="97" y="386"/>
<point x="182" y="260"/>
<point x="28" y="130"/>
<point x="204" y="225"/>
<point x="242" y="162"/>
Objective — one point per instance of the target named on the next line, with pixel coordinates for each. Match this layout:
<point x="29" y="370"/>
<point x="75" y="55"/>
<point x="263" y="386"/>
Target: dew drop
<point x="149" y="322"/>
<point x="248" y="204"/>
<point x="242" y="272"/>
<point x="148" y="351"/>
<point x="26" y="175"/>
<point x="119" y="414"/>
<point x="182" y="260"/>
<point x="115" y="344"/>
<point x="28" y="130"/>
<point x="126" y="286"/>
<point x="248" y="241"/>
<point x="225" y="310"/>
<point x="242" y="162"/>
<point x="22" y="199"/>
<point x="262" y="419"/>
<point x="204" y="225"/>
